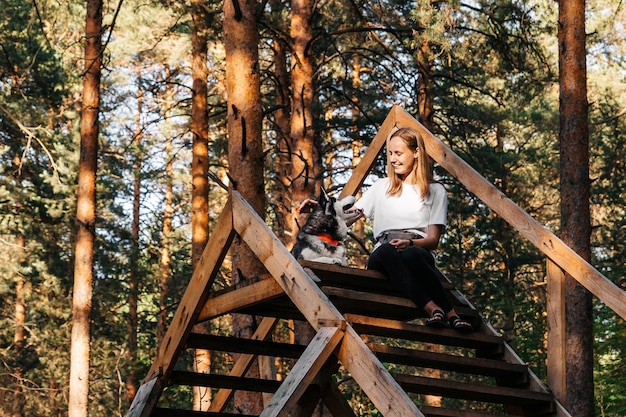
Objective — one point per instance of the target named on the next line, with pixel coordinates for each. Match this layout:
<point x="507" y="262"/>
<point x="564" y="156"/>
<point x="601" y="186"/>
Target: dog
<point x="320" y="238"/>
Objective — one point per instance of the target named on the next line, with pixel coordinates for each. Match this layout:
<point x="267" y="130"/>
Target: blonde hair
<point x="422" y="168"/>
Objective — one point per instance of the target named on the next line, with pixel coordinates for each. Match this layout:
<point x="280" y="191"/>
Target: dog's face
<point x="329" y="216"/>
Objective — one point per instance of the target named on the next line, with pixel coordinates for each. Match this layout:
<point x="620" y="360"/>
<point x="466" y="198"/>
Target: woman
<point x="410" y="200"/>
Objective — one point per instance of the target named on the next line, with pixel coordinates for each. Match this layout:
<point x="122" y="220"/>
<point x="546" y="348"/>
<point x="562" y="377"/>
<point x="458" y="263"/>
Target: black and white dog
<point x="320" y="239"/>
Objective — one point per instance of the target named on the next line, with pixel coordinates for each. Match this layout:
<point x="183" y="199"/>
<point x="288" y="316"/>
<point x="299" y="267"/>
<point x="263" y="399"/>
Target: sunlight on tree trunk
<point x="575" y="195"/>
<point x="19" y="335"/>
<point x="85" y="215"/>
<point x="245" y="153"/>
<point x="199" y="170"/>
<point x="305" y="159"/>
<point x="133" y="279"/>
<point x="168" y="213"/>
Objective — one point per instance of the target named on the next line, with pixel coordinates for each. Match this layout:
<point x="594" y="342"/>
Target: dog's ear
<point x="323" y="197"/>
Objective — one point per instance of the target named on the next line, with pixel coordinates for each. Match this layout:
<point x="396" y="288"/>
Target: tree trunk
<point x="133" y="279"/>
<point x="85" y="215"/>
<point x="168" y="214"/>
<point x="575" y="194"/>
<point x="199" y="169"/>
<point x="245" y="154"/>
<point x="19" y="335"/>
<point x="305" y="159"/>
<point x="283" y="142"/>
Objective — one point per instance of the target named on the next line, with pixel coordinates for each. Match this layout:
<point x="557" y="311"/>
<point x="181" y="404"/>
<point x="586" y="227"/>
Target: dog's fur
<point x="320" y="239"/>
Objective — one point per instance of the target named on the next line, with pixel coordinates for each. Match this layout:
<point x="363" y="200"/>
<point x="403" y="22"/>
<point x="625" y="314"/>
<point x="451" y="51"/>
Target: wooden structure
<point x="354" y="311"/>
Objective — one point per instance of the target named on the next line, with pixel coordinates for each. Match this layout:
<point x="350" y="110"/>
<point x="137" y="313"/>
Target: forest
<point x="481" y="75"/>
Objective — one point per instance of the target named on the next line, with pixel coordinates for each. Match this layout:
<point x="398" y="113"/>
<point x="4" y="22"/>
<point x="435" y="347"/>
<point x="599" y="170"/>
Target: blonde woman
<point x="409" y="210"/>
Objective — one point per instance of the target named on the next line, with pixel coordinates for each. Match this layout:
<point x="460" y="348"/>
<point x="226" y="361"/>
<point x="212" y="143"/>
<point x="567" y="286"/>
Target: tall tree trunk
<point x="575" y="194"/>
<point x="283" y="142"/>
<point x="133" y="279"/>
<point x="85" y="215"/>
<point x="199" y="169"/>
<point x="245" y="154"/>
<point x="358" y="229"/>
<point x="168" y="214"/>
<point x="305" y="160"/>
<point x="19" y="334"/>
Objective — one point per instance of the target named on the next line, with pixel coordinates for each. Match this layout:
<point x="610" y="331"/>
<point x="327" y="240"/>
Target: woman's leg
<point x="387" y="260"/>
<point x="422" y="266"/>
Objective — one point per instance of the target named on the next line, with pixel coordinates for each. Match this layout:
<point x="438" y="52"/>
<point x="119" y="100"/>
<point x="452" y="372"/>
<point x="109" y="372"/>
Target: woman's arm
<point x="430" y="241"/>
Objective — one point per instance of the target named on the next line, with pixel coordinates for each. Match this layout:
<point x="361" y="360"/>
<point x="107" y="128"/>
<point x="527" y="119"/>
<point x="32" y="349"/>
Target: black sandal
<point x="438" y="320"/>
<point x="460" y="325"/>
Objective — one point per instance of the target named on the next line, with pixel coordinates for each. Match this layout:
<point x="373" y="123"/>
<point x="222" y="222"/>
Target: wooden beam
<point x="535" y="232"/>
<point x="305" y="370"/>
<point x="371" y="375"/>
<point x="556" y="331"/>
<point x="146" y="398"/>
<point x="225" y="303"/>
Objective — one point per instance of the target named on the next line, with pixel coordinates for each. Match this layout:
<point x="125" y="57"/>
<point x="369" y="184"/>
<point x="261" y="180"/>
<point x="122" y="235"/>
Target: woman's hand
<point x="400" y="244"/>
<point x="307" y="206"/>
<point x="356" y="214"/>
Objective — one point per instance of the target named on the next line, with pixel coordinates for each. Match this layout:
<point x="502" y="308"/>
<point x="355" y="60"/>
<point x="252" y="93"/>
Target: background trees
<point x="490" y="69"/>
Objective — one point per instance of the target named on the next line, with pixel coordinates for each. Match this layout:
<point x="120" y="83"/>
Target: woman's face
<point x="401" y="157"/>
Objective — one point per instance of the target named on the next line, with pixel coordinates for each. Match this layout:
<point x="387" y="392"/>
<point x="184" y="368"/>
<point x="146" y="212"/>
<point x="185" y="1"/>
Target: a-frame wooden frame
<point x="334" y="335"/>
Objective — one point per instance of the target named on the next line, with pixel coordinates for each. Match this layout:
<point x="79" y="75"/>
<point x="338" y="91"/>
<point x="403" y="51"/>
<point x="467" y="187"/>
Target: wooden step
<point x="508" y="374"/>
<point x="488" y="345"/>
<point x="241" y="345"/>
<point x="447" y="412"/>
<point x="224" y="381"/>
<point x="386" y="306"/>
<point x="173" y="412"/>
<point x="539" y="402"/>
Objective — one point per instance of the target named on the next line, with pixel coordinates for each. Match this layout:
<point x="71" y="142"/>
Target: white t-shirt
<point x="406" y="211"/>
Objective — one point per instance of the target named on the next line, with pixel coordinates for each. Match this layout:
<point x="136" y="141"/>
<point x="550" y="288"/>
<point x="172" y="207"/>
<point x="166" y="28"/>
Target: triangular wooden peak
<point x="337" y="339"/>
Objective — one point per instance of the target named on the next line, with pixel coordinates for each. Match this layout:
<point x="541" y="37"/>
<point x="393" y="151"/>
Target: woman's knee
<point x="381" y="255"/>
<point x="416" y="252"/>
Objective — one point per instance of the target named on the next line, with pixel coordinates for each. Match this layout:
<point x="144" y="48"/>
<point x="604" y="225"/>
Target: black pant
<point x="412" y="271"/>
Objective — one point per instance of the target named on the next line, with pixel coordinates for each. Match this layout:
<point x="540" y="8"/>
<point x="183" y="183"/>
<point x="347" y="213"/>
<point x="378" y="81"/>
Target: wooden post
<point x="556" y="330"/>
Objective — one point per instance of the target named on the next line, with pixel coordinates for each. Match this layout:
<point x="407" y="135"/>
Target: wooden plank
<point x="146" y="398"/>
<point x="408" y="331"/>
<point x="447" y="412"/>
<point x="175" y="412"/>
<point x="227" y="302"/>
<point x="386" y="394"/>
<point x="556" y="331"/>
<point x="244" y="346"/>
<point x="535" y="232"/>
<point x="513" y="373"/>
<point x="242" y="365"/>
<point x="476" y="392"/>
<point x="305" y="370"/>
<point x="223" y="381"/>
